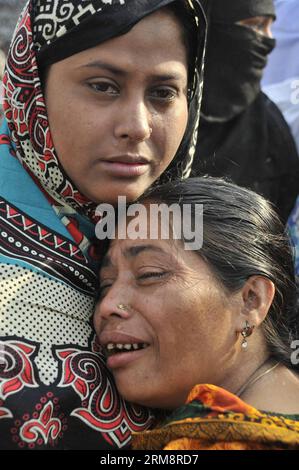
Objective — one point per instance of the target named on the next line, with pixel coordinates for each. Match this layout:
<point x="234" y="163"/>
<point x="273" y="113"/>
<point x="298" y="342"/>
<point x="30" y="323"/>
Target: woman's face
<point x="118" y="112"/>
<point x="155" y="293"/>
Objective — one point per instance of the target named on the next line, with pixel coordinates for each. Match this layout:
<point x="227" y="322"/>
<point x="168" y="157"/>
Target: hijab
<point x="51" y="31"/>
<point x="232" y="11"/>
<point x="48" y="264"/>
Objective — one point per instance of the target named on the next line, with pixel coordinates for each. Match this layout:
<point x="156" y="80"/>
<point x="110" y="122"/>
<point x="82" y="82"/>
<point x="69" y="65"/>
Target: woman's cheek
<point x="178" y="122"/>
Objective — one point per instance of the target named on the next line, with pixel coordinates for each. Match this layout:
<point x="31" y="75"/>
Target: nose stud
<point x="122" y="307"/>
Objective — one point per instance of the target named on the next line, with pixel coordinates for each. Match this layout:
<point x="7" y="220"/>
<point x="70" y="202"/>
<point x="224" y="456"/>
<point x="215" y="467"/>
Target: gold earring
<point x="246" y="332"/>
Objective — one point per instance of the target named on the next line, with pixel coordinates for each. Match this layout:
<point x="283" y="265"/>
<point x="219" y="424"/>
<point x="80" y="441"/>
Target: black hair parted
<point x="244" y="237"/>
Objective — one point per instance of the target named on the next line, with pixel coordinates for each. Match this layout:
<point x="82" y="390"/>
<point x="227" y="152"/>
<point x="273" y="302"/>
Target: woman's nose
<point x="113" y="305"/>
<point x="134" y="121"/>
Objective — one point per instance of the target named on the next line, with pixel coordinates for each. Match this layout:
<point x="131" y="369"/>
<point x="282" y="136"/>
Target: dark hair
<point x="243" y="237"/>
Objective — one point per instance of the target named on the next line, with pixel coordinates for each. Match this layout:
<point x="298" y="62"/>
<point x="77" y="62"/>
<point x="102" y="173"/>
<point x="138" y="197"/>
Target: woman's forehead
<point x="63" y="28"/>
<point x="130" y="250"/>
<point x="155" y="41"/>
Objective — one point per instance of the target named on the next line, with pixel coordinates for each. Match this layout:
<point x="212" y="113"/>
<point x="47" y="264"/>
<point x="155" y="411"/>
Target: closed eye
<point x="102" y="290"/>
<point x="149" y="275"/>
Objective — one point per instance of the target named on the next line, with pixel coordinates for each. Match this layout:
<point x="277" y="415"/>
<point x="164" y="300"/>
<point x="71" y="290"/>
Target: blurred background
<point x="9" y="12"/>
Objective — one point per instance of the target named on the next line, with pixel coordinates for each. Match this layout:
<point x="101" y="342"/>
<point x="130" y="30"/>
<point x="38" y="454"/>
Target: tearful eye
<point x="164" y="94"/>
<point x="105" y="88"/>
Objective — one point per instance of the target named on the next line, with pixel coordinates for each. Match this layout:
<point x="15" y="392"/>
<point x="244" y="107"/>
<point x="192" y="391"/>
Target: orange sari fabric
<point x="214" y="419"/>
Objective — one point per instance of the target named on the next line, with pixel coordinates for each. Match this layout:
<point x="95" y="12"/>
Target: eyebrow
<point x="118" y="71"/>
<point x="132" y="252"/>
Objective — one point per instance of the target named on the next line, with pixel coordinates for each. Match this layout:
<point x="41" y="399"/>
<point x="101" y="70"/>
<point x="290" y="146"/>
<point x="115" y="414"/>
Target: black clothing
<point x="255" y="150"/>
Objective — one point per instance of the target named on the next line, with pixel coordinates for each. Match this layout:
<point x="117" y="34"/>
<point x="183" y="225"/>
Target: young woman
<point x="101" y="98"/>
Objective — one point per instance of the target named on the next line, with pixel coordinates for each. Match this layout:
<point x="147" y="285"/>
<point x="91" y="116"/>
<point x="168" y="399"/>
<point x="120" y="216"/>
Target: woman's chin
<point x="131" y="392"/>
<point x="143" y="396"/>
<point x="112" y="197"/>
<point x="110" y="190"/>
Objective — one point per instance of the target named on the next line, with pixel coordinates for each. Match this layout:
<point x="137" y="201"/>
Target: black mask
<point x="235" y="60"/>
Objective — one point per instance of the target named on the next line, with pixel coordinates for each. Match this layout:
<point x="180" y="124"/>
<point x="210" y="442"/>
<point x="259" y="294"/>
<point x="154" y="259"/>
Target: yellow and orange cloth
<point x="215" y="419"/>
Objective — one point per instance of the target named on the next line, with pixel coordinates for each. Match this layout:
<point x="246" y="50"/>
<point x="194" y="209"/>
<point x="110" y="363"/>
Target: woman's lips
<point x="114" y="339"/>
<point x="125" y="169"/>
<point x="123" y="359"/>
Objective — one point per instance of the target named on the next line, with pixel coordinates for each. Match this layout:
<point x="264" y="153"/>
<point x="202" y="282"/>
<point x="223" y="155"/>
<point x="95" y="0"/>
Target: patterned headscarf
<point x="47" y="265"/>
<point x="49" y="31"/>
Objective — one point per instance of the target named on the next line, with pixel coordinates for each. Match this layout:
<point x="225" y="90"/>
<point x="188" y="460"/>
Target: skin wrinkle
<point x="191" y="323"/>
<point x="195" y="298"/>
<point x="123" y="73"/>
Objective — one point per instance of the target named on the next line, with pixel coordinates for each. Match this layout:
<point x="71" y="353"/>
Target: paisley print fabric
<point x="215" y="419"/>
<point x="55" y="389"/>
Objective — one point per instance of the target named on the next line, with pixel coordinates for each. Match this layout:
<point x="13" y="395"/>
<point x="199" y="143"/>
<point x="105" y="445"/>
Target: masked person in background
<point x="242" y="134"/>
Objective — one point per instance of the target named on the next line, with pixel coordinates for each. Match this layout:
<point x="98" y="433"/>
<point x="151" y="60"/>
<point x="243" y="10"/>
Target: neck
<point x="245" y="365"/>
<point x="266" y="368"/>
